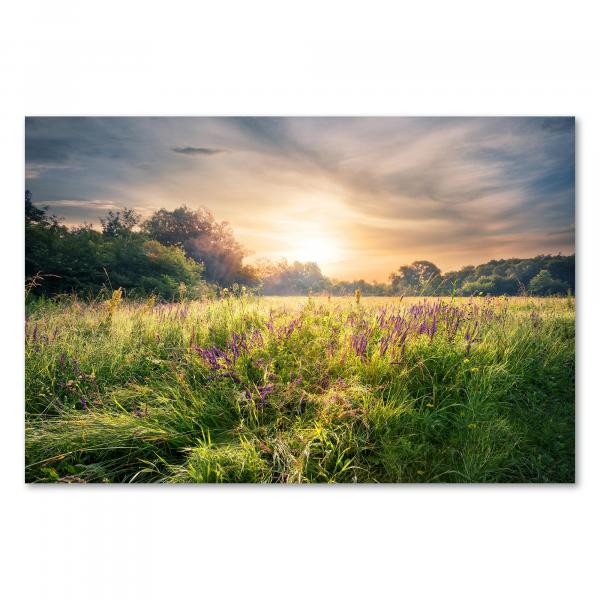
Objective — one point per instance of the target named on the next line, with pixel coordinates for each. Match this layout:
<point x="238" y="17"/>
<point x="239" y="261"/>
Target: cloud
<point x="452" y="190"/>
<point x="196" y="150"/>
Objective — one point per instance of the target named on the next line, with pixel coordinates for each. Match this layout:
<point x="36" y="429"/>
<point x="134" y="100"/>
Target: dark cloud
<point x="56" y="140"/>
<point x="197" y="150"/>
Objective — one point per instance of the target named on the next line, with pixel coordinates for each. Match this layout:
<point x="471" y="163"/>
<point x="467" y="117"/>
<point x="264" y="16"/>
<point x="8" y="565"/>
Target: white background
<point x="303" y="58"/>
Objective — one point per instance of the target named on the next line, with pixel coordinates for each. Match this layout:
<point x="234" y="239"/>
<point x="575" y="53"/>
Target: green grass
<point x="121" y="394"/>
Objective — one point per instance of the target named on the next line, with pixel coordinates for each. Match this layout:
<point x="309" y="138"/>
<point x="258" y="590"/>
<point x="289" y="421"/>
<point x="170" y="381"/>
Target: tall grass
<point x="301" y="390"/>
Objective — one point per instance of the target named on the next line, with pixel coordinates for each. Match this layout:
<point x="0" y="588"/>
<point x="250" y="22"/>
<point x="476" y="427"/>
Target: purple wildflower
<point x="358" y="342"/>
<point x="212" y="356"/>
<point x="433" y="328"/>
<point x="264" y="391"/>
<point x="237" y="345"/>
<point x="384" y="343"/>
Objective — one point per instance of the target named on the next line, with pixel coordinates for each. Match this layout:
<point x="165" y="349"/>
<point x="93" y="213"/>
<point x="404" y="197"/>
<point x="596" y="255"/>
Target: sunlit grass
<point x="301" y="390"/>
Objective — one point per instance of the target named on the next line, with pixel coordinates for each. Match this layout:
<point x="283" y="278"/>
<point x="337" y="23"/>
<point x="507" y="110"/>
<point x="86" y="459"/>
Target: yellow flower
<point x="474" y="369"/>
<point x="472" y="425"/>
<point x="429" y="405"/>
<point x="466" y="361"/>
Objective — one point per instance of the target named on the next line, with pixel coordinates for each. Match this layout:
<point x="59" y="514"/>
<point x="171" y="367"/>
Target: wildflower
<point x="236" y="344"/>
<point x="114" y="301"/>
<point x="420" y="472"/>
<point x="264" y="391"/>
<point x="472" y="425"/>
<point x="213" y="356"/>
<point x="359" y="343"/>
<point x="433" y="328"/>
<point x="341" y="382"/>
<point x="383" y="344"/>
<point x="228" y="374"/>
<point x="264" y="448"/>
<point x="429" y="405"/>
<point x="466" y="361"/>
<point x="474" y="369"/>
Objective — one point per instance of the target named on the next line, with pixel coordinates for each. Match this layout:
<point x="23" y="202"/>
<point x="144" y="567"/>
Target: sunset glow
<point x="360" y="196"/>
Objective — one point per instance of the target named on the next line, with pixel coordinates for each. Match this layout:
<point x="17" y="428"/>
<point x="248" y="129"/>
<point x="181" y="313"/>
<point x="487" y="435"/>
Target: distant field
<point x="296" y="390"/>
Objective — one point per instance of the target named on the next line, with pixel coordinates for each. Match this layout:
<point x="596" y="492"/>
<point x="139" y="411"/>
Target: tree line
<point x="179" y="253"/>
<point x="187" y="253"/>
<point x="542" y="275"/>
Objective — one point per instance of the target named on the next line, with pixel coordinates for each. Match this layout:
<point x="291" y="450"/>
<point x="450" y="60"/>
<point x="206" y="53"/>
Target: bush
<point x="85" y="261"/>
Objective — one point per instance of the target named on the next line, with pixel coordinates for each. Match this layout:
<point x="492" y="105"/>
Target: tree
<point x="426" y="271"/>
<point x="490" y="284"/>
<point x="543" y="284"/>
<point x="297" y="278"/>
<point x="120" y="223"/>
<point x="420" y="276"/>
<point x="205" y="240"/>
<point x="32" y="213"/>
<point x="79" y="259"/>
<point x="176" y="227"/>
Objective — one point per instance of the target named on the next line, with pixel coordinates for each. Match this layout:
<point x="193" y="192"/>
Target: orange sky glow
<point x="359" y="196"/>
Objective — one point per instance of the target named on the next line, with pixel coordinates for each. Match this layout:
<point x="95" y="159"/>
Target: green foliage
<point x="84" y="261"/>
<point x="295" y="278"/>
<point x="127" y="395"/>
<point x="543" y="284"/>
<point x="205" y="240"/>
<point x="189" y="243"/>
<point x="421" y="278"/>
<point x="496" y="278"/>
<point x="494" y="285"/>
<point x="417" y="279"/>
<point x="120" y="223"/>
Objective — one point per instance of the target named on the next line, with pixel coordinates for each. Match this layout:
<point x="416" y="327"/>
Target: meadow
<point x="296" y="390"/>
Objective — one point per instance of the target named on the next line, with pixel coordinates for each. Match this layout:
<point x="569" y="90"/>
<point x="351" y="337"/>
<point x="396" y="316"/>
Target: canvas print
<point x="299" y="300"/>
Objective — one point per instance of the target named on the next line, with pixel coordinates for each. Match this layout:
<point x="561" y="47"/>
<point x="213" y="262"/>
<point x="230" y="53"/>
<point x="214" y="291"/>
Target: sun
<point x="317" y="249"/>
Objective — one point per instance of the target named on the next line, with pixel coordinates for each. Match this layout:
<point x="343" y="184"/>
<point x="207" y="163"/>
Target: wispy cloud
<point x="196" y="150"/>
<point x="387" y="190"/>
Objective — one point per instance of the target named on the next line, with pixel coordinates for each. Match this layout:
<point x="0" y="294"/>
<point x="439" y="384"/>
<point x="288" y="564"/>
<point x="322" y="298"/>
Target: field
<point x="293" y="390"/>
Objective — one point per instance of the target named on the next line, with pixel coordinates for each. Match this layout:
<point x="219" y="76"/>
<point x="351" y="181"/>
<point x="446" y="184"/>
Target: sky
<point x="358" y="195"/>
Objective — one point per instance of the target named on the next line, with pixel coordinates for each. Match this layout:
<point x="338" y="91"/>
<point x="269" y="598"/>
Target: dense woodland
<point x="187" y="253"/>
